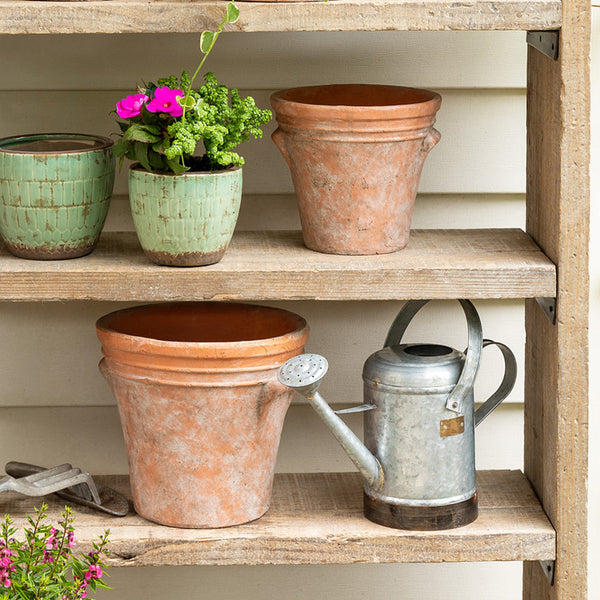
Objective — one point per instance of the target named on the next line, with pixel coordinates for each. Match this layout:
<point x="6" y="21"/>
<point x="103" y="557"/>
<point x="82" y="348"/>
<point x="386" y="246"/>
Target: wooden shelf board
<point x="275" y="265"/>
<point x="155" y="16"/>
<point x="317" y="519"/>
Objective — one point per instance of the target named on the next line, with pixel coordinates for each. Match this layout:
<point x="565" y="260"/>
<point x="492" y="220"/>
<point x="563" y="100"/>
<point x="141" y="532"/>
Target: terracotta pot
<point x="355" y="153"/>
<point x="185" y="220"/>
<point x="200" y="405"/>
<point x="55" y="190"/>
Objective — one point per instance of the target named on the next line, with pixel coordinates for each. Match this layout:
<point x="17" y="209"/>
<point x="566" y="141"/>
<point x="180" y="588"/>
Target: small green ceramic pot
<point x="55" y="190"/>
<point x="185" y="220"/>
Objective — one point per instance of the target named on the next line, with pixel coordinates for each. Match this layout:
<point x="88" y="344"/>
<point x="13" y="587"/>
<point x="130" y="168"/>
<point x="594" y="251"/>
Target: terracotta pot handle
<point x="278" y="138"/>
<point x="431" y="139"/>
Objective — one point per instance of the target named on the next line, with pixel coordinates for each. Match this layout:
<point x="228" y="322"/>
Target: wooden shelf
<point x="137" y="16"/>
<point x="317" y="518"/>
<point x="275" y="265"/>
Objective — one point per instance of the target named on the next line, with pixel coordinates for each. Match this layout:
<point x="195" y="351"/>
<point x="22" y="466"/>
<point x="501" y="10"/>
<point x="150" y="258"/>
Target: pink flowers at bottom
<point x="93" y="572"/>
<point x="131" y="106"/>
<point x="165" y="101"/>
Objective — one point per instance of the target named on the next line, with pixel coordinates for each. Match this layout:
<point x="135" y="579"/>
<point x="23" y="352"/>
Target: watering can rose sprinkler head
<point x="304" y="374"/>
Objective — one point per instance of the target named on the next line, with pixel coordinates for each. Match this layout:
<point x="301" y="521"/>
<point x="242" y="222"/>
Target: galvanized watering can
<point x="418" y="458"/>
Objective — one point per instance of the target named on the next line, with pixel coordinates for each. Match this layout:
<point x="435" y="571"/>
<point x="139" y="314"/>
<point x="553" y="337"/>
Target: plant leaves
<point x="188" y="103"/>
<point x="176" y="167"/>
<point x="140" y="133"/>
<point x="121" y="147"/>
<point x="233" y="13"/>
<point x="206" y="41"/>
<point x="141" y="155"/>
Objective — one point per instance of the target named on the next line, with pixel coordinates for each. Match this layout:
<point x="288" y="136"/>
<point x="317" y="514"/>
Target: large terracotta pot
<point x="200" y="405"/>
<point x="55" y="190"/>
<point x="355" y="153"/>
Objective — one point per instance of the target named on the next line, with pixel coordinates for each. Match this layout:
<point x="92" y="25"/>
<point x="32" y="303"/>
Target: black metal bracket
<point x="544" y="41"/>
<point x="548" y="568"/>
<point x="548" y="305"/>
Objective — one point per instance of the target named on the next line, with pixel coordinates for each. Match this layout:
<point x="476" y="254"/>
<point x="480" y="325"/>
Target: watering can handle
<point x="467" y="377"/>
<point x="506" y="385"/>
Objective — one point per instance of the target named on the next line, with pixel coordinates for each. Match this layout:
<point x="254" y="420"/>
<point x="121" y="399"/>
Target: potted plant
<point x="41" y="562"/>
<point x="185" y="207"/>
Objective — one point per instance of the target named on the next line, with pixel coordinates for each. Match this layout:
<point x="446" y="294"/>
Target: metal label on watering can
<point x="418" y="456"/>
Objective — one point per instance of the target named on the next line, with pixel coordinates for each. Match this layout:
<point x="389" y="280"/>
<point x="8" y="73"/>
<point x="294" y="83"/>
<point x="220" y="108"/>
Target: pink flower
<point x="165" y="101"/>
<point x="93" y="572"/>
<point x="131" y="106"/>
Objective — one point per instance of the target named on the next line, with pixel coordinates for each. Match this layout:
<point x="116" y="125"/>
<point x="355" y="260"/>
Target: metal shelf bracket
<point x="548" y="568"/>
<point x="548" y="305"/>
<point x="544" y="41"/>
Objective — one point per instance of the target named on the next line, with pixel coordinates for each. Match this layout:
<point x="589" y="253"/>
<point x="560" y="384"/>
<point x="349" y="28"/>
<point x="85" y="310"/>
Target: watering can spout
<point x="304" y="374"/>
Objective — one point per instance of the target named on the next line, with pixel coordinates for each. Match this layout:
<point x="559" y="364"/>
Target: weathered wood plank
<point x="479" y="263"/>
<point x="556" y="388"/>
<point x="317" y="518"/>
<point x="123" y="16"/>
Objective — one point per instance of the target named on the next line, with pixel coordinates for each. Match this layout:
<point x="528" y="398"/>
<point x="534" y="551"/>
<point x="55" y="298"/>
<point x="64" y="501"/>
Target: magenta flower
<point x="93" y="572"/>
<point x="131" y="106"/>
<point x="165" y="101"/>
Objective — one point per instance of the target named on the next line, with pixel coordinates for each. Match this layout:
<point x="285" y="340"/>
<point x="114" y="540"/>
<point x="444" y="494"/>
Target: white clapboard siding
<point x="272" y="60"/>
<point x="492" y="581"/>
<point x="58" y="342"/>
<point x="482" y="148"/>
<point x="432" y="211"/>
<point x="91" y="438"/>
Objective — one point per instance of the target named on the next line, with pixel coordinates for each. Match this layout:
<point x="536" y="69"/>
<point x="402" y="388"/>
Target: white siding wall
<point x="54" y="406"/>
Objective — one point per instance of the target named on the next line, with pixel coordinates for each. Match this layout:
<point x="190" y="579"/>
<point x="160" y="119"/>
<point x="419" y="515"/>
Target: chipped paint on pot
<point x="185" y="220"/>
<point x="355" y="153"/>
<point x="200" y="405"/>
<point x="55" y="191"/>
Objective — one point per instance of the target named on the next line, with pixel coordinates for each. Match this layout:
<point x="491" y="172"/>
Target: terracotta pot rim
<point x="286" y="98"/>
<point x="103" y="143"/>
<point x="121" y="339"/>
<point x="137" y="167"/>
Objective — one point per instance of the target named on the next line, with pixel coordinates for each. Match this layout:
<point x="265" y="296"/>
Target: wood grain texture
<point x="436" y="264"/>
<point x="556" y="389"/>
<point x="317" y="519"/>
<point x="123" y="16"/>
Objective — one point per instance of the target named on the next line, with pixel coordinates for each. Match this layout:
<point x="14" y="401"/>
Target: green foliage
<point x="214" y="116"/>
<point x="42" y="565"/>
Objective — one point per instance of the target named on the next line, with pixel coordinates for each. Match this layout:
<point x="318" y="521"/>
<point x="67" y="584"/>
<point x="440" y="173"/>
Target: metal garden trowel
<point x="64" y="481"/>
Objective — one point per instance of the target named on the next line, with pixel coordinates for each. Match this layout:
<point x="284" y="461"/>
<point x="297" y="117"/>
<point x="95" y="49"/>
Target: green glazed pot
<point x="55" y="190"/>
<point x="185" y="220"/>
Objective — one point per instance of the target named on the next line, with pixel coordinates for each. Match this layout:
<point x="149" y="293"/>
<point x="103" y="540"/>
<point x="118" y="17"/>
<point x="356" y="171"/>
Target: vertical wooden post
<point x="556" y="388"/>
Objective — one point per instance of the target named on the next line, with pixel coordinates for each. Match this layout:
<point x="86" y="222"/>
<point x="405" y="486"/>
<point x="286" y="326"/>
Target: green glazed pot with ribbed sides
<point x="55" y="190"/>
<point x="185" y="220"/>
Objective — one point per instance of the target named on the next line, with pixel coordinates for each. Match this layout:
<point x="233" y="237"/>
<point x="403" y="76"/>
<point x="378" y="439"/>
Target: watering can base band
<point x="421" y="518"/>
<point x="420" y="502"/>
